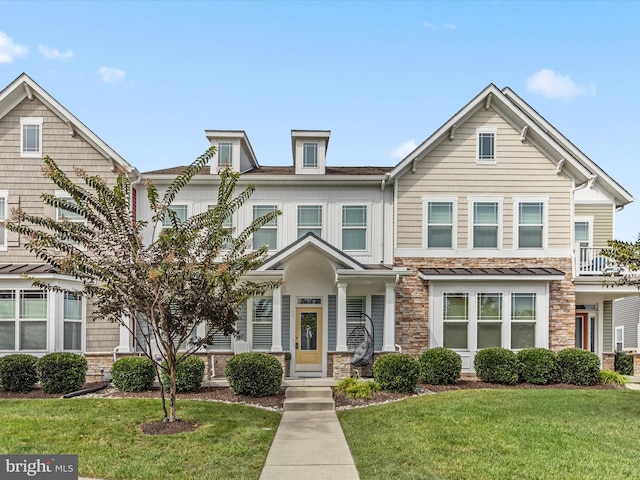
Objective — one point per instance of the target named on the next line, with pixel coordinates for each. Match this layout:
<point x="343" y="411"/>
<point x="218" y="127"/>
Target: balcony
<point x="589" y="261"/>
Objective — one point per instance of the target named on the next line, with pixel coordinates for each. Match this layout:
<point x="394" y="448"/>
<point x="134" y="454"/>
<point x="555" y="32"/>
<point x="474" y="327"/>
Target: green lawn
<point x="499" y="434"/>
<point x="231" y="441"/>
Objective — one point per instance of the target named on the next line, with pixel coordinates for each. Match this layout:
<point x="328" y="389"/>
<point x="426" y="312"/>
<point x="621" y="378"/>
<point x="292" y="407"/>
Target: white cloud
<point x="441" y="26"/>
<point x="54" y="53"/>
<point x="111" y="75"/>
<point x="10" y="50"/>
<point x="403" y="150"/>
<point x="553" y="85"/>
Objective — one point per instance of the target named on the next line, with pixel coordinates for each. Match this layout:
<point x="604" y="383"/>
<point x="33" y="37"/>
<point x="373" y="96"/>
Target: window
<point x="456" y="320"/>
<point x="7" y="320"/>
<point x="63" y="214"/>
<point x="619" y="339"/>
<point x="31" y="136"/>
<point x="485" y="224"/>
<point x="262" y="323"/>
<point x="72" y="318"/>
<point x="228" y="224"/>
<point x="439" y="224"/>
<point x="33" y="319"/>
<point x="530" y="225"/>
<point x="354" y="227"/>
<point x="523" y="320"/>
<point x="268" y="234"/>
<point x="181" y="215"/>
<point x="225" y="155"/>
<point x="309" y="220"/>
<point x="489" y="312"/>
<point x="486" y="145"/>
<point x="3" y="217"/>
<point x="310" y="155"/>
<point x="355" y="306"/>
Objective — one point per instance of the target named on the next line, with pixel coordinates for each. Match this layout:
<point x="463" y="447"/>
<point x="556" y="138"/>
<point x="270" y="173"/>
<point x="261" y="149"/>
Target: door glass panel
<point x="308" y="331"/>
<point x="579" y="332"/>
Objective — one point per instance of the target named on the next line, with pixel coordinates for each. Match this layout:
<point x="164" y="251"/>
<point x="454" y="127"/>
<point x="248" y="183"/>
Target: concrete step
<point x="309" y="404"/>
<point x="309" y="392"/>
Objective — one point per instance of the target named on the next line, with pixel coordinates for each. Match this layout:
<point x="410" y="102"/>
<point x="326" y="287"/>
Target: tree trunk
<point x="172" y="389"/>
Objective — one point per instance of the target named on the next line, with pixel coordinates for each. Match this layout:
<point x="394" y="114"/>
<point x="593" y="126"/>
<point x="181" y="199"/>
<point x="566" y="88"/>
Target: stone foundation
<point x="98" y="364"/>
<point x="608" y="361"/>
<point x="341" y="368"/>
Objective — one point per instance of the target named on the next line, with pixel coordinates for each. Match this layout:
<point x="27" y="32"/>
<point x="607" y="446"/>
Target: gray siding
<point x="607" y="318"/>
<point x="331" y="314"/>
<point x="626" y="313"/>
<point x="377" y="315"/>
<point x="286" y="323"/>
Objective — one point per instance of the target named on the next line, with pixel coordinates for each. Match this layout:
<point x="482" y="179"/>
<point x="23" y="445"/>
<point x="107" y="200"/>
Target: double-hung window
<point x="225" y="155"/>
<point x="72" y="317"/>
<point x="619" y="339"/>
<point x="486" y="145"/>
<point x="181" y="215"/>
<point x="3" y="217"/>
<point x="523" y="320"/>
<point x="440" y="222"/>
<point x="227" y="224"/>
<point x="268" y="233"/>
<point x="8" y="312"/>
<point x="486" y="224"/>
<point x="531" y="216"/>
<point x="31" y="136"/>
<point x="310" y="155"/>
<point x="262" y="324"/>
<point x="489" y="315"/>
<point x="33" y="319"/>
<point x="309" y="220"/>
<point x="455" y="320"/>
<point x="354" y="227"/>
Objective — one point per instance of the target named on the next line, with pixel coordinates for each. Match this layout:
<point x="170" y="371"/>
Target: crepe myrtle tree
<point x="180" y="290"/>
<point x="625" y="255"/>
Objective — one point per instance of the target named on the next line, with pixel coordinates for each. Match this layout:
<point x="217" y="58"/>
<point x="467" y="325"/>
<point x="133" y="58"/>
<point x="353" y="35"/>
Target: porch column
<point x="341" y="320"/>
<point x="389" y="330"/>
<point x="125" y="345"/>
<point x="276" y="321"/>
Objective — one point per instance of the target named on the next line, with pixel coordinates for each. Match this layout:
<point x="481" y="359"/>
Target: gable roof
<point x="25" y="87"/>
<point x="534" y="129"/>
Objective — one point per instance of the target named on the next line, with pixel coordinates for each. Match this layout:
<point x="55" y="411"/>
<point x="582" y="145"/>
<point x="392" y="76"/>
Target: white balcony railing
<point x="590" y="261"/>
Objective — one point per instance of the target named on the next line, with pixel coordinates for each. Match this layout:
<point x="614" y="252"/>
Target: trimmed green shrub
<point x="254" y="374"/>
<point x="352" y="387"/>
<point x="61" y="372"/>
<point x="396" y="372"/>
<point x="607" y="377"/>
<point x="440" y="366"/>
<point x="537" y="365"/>
<point x="623" y="363"/>
<point x="189" y="374"/>
<point x="577" y="367"/>
<point x="133" y="374"/>
<point x="497" y="365"/>
<point x="18" y="372"/>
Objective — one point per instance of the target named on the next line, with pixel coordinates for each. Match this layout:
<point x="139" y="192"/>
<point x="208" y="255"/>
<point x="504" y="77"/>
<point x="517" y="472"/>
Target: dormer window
<point x="225" y="155"/>
<point x="310" y="155"/>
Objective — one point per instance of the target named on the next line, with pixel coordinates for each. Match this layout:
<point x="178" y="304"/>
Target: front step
<point x="309" y="399"/>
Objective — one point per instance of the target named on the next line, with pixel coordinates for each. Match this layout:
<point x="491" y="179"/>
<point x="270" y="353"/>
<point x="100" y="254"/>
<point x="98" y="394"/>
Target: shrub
<point x="440" y="366"/>
<point x="496" y="365"/>
<point x="396" y="372"/>
<point x="355" y="388"/>
<point x="254" y="374"/>
<point x="61" y="372"/>
<point x="578" y="367"/>
<point x="624" y="363"/>
<point x="607" y="377"/>
<point x="189" y="374"/>
<point x="537" y="365"/>
<point x="133" y="374"/>
<point x="18" y="372"/>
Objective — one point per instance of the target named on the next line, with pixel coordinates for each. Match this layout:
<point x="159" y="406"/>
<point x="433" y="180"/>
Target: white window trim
<point x="322" y="217"/>
<point x="472" y="201"/>
<point x="4" y="196"/>
<point x="31" y="121"/>
<point x="230" y="164"/>
<point x="454" y="219"/>
<point x="188" y="207"/>
<point x="615" y="338"/>
<point x="367" y="237"/>
<point x="314" y="167"/>
<point x="583" y="219"/>
<point x="487" y="161"/>
<point x="545" y="222"/>
<point x="60" y="326"/>
<point x="279" y="224"/>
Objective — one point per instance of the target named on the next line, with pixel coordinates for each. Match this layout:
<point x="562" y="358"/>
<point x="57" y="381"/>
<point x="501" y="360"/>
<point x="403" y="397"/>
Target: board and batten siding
<point x="450" y="169"/>
<point x="23" y="178"/>
<point x="603" y="229"/>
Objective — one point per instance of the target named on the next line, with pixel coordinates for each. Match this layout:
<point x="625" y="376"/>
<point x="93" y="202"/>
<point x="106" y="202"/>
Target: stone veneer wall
<point x="412" y="298"/>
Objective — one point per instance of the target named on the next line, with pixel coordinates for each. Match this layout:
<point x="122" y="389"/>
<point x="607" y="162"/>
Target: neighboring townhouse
<point x="626" y="315"/>
<point x="34" y="321"/>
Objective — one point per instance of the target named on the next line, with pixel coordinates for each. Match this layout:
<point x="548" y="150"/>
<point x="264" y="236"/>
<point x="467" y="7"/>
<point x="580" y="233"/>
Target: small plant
<point x="396" y="372"/>
<point x="577" y="367"/>
<point x="440" y="366"/>
<point x="537" y="366"/>
<point x="61" y="372"/>
<point x="18" y="372"/>
<point x="623" y="363"/>
<point x="355" y="388"/>
<point x="133" y="374"/>
<point x="189" y="374"/>
<point x="607" y="377"/>
<point x="497" y="365"/>
<point x="254" y="374"/>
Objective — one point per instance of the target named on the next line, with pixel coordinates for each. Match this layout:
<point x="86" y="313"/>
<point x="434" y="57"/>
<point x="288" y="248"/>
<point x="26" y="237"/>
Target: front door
<point x="585" y="332"/>
<point x="309" y="339"/>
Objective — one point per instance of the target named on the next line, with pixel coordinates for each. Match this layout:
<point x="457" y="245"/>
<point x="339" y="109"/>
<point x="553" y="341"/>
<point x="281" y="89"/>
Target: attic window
<point x="31" y="136"/>
<point x="310" y="155"/>
<point x="225" y="158"/>
<point x="486" y="149"/>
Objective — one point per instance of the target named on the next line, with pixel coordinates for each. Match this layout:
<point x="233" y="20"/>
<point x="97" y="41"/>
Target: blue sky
<point x="150" y="77"/>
